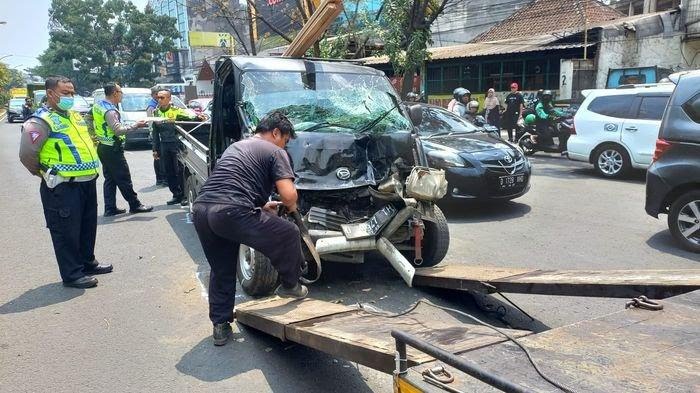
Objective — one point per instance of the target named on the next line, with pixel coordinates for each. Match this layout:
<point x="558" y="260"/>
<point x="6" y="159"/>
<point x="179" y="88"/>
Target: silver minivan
<point x="133" y="108"/>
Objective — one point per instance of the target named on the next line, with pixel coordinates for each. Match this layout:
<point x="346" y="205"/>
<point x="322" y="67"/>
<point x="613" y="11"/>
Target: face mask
<point x="65" y="103"/>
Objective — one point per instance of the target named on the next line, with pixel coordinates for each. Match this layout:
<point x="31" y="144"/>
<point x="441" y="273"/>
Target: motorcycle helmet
<point x="547" y="95"/>
<point x="530" y="119"/>
<point x="473" y="105"/>
<point x="413" y="97"/>
<point x="459" y="93"/>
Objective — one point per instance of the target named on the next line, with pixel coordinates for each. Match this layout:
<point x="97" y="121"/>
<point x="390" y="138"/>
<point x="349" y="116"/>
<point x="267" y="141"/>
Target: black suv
<point x="673" y="179"/>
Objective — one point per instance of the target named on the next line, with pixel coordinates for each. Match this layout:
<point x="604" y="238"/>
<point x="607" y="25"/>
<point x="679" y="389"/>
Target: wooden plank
<point x="273" y="314"/>
<point x="358" y="336"/>
<point x="657" y="284"/>
<point x="463" y="277"/>
<point x="366" y="339"/>
<point x="628" y="351"/>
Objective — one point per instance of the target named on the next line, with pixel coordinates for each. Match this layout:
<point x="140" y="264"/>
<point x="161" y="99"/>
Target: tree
<point x="95" y="41"/>
<point x="348" y="37"/>
<point x="407" y="35"/>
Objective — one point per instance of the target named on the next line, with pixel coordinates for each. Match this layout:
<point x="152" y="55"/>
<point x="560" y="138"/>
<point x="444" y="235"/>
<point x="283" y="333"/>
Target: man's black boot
<point x="222" y="333"/>
<point x="176" y="199"/>
<point x="83" y="282"/>
<point x="97" y="268"/>
<point x="298" y="291"/>
<point x="141" y="209"/>
<point x="114" y="212"/>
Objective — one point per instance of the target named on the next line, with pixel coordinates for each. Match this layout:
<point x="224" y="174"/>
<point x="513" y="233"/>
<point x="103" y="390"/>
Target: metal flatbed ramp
<point x="357" y="336"/>
<point x="631" y="350"/>
<point x="655" y="284"/>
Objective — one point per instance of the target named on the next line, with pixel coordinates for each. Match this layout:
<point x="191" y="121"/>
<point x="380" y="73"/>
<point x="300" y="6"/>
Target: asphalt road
<point x="145" y="327"/>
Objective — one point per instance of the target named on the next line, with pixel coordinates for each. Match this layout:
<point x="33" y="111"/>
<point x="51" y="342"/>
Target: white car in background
<point x="616" y="129"/>
<point x="133" y="108"/>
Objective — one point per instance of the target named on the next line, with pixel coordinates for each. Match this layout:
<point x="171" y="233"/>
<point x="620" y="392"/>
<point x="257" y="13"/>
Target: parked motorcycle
<point x="563" y="129"/>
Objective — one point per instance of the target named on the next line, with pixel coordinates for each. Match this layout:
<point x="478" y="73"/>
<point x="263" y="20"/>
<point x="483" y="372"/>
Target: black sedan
<point x="478" y="165"/>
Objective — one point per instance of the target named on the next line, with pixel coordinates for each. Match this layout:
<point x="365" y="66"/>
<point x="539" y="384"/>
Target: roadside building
<point x="562" y="45"/>
<point x="205" y="33"/>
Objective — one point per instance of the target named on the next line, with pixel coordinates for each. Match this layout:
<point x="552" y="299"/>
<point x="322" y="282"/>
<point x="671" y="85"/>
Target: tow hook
<point x="418" y="228"/>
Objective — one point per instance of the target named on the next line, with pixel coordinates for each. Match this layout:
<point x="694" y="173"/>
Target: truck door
<point x="640" y="131"/>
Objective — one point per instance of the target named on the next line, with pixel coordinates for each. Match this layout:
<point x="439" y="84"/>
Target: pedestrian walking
<point x="492" y="108"/>
<point x="27" y="108"/>
<point x="151" y="107"/>
<point x="515" y="104"/>
<point x="166" y="144"/>
<point x="233" y="209"/>
<point x="56" y="146"/>
<point x="105" y="121"/>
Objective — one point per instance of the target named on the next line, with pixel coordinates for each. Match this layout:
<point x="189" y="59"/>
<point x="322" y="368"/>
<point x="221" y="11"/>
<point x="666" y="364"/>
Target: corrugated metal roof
<point x="519" y="45"/>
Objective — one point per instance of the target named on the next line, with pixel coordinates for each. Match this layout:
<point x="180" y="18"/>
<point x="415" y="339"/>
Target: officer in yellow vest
<point x="105" y="123"/>
<point x="166" y="144"/>
<point x="56" y="146"/>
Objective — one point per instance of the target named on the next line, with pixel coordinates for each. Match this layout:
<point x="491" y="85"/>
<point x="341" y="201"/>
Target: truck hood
<point x="335" y="161"/>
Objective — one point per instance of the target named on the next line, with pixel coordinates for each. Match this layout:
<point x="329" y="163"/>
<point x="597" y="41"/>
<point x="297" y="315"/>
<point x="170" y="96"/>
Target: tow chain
<point x="644" y="303"/>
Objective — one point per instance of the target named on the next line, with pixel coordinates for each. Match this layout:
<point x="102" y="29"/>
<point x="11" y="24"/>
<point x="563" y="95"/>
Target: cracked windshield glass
<point x="325" y="102"/>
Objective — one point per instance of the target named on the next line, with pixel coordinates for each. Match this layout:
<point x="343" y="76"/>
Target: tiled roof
<point x="547" y="16"/>
<point x="543" y="42"/>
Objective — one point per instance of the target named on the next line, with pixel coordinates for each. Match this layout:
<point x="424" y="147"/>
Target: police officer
<point x="233" y="209"/>
<point x="56" y="146"/>
<point x="111" y="133"/>
<point x="157" y="165"/>
<point x="166" y="144"/>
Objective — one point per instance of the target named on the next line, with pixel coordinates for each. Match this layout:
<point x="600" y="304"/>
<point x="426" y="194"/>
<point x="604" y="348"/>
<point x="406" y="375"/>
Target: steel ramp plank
<point x="631" y="350"/>
<point x="657" y="284"/>
<point x="360" y="337"/>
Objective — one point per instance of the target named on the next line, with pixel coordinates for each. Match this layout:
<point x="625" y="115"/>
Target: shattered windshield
<point x="325" y="102"/>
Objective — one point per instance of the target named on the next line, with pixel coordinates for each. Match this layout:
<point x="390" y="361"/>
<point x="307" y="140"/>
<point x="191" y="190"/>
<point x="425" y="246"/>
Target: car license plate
<point x="511" y="181"/>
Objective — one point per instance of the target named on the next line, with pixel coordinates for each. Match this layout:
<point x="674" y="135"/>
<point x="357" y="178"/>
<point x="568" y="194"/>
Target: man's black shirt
<point x="246" y="173"/>
<point x="514" y="100"/>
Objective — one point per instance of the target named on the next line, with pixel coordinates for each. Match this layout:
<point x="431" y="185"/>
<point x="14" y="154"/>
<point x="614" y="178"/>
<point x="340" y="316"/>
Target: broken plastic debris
<point x="240" y="340"/>
<point x="268" y="349"/>
<point x="383" y="297"/>
<point x="366" y="289"/>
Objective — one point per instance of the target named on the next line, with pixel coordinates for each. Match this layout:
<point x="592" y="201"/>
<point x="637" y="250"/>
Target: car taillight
<point x="662" y="146"/>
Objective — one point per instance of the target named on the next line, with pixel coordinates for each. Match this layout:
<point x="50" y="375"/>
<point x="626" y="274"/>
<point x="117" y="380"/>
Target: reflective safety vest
<point x="69" y="150"/>
<point x="105" y="134"/>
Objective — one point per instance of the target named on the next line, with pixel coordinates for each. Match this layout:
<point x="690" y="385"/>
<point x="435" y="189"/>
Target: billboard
<point x="204" y="39"/>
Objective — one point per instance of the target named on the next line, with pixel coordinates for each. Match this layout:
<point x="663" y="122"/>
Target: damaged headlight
<point x="444" y="159"/>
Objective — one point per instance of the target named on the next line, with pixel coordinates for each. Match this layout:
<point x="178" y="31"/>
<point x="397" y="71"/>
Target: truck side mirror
<point x="415" y="112"/>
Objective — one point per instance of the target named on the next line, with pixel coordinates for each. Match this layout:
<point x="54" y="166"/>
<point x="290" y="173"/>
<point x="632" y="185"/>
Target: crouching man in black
<point x="233" y="209"/>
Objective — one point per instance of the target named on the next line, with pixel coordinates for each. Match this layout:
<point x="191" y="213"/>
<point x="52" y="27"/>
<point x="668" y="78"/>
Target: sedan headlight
<point x="444" y="159"/>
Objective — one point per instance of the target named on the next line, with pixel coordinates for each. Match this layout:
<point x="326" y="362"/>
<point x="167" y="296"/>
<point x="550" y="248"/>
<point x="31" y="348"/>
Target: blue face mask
<point x="65" y="103"/>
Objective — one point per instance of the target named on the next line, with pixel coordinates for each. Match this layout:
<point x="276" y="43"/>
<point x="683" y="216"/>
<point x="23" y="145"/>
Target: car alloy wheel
<point x="610" y="162"/>
<point x="688" y="221"/>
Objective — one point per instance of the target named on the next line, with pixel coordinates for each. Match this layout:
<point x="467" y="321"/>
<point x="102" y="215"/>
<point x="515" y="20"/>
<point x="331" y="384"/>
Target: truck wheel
<point x="436" y="240"/>
<point x="684" y="221"/>
<point x="255" y="272"/>
<point x="190" y="192"/>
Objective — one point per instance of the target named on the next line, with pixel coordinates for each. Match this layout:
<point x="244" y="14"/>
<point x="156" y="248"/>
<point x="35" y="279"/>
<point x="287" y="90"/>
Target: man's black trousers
<point x="116" y="172"/>
<point x="221" y="230"/>
<point x="70" y="210"/>
<point x="173" y="172"/>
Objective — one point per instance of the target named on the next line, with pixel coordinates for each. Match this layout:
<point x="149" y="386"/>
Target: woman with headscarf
<point x="492" y="109"/>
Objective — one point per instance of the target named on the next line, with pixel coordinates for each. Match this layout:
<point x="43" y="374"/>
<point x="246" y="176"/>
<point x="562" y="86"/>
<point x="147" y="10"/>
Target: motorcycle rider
<point x="545" y="114"/>
<point x="471" y="113"/>
<point x="462" y="96"/>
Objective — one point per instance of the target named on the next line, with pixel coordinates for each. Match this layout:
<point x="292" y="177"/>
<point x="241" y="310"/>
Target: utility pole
<point x="252" y="26"/>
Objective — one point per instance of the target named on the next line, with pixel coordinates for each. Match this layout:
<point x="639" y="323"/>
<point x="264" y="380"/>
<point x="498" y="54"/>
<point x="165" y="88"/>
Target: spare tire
<point x="255" y="272"/>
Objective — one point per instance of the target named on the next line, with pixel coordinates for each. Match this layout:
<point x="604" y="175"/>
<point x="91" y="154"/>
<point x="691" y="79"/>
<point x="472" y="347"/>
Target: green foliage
<point x="111" y="40"/>
<point x="358" y="25"/>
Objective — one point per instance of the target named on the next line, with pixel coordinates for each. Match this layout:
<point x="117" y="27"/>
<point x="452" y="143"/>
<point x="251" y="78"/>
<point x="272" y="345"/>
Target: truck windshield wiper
<point x="324" y="124"/>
